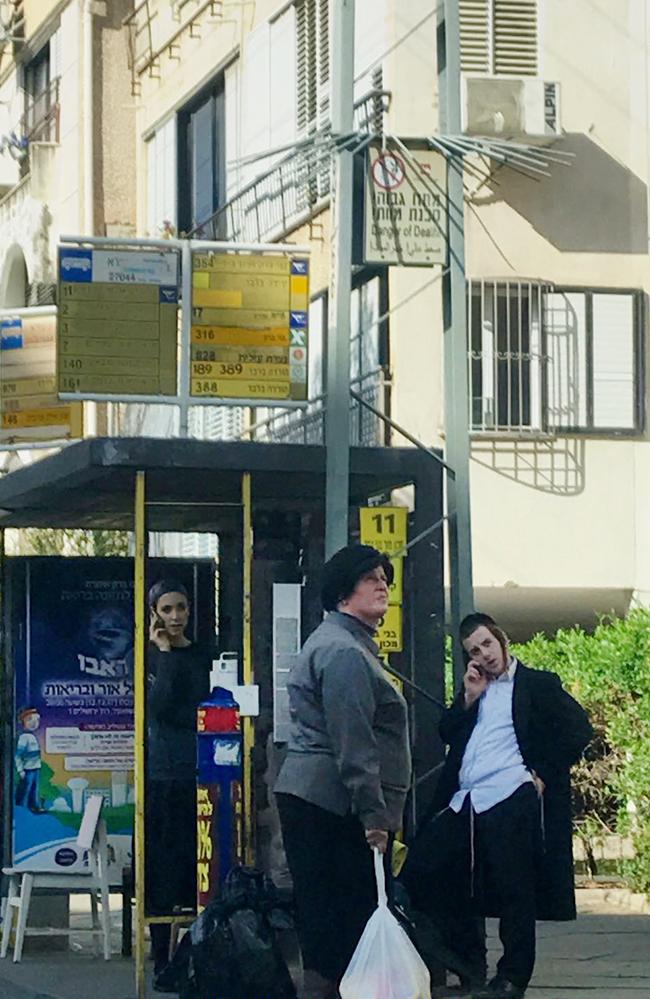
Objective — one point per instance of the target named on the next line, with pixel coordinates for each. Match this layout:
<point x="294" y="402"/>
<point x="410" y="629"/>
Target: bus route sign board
<point x="250" y="319"/>
<point x="117" y="321"/>
<point x="30" y="409"/>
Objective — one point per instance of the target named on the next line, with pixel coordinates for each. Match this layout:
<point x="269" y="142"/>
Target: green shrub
<point x="609" y="673"/>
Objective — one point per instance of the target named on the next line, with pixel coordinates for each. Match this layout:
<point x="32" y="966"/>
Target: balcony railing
<point x="12" y="205"/>
<point x="156" y="28"/>
<point x="308" y="426"/>
<point x="294" y="188"/>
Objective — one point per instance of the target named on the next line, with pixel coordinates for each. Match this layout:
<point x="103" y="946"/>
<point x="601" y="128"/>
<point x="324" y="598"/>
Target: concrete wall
<point x="37" y="12"/>
<point x="114" y="133"/>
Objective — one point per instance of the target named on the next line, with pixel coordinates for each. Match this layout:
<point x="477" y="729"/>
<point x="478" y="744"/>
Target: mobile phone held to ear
<point x="157" y="622"/>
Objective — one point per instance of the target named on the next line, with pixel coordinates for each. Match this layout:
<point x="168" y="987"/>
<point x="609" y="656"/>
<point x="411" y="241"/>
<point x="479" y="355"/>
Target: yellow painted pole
<point x="247" y="642"/>
<point x="139" y="706"/>
<point x="7" y="708"/>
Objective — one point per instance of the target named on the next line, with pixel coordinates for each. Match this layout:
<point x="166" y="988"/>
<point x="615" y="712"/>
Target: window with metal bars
<point x="505" y="367"/>
<point x="499" y="37"/>
<point x="557" y="361"/>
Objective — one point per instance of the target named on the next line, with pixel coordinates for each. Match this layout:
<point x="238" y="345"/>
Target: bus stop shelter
<point x="252" y="495"/>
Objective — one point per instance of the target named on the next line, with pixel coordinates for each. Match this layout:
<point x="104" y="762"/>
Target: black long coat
<point x="552" y="730"/>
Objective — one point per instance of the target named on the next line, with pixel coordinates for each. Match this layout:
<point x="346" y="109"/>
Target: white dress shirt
<point x="492" y="767"/>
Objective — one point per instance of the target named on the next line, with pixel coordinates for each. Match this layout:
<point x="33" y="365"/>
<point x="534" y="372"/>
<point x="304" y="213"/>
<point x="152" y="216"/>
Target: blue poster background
<point x="72" y="643"/>
<point x="74" y="708"/>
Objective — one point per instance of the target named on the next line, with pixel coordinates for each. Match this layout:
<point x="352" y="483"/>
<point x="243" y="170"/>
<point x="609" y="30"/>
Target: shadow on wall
<point x="608" y="203"/>
<point x="555" y="466"/>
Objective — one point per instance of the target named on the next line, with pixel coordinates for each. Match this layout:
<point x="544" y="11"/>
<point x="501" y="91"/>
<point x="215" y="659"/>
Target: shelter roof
<point x="190" y="485"/>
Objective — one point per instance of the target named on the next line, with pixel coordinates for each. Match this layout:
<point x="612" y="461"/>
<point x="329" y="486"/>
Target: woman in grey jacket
<point x="342" y="787"/>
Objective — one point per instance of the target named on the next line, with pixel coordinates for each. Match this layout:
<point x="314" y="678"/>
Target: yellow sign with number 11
<point x="383" y="527"/>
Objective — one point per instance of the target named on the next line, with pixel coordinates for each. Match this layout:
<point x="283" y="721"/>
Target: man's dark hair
<point x="471" y="622"/>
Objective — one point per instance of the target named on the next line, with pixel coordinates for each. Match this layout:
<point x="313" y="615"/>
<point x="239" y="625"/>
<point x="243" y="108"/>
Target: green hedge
<point x="609" y="673"/>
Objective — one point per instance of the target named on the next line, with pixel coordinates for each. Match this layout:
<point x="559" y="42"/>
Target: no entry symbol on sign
<point x="388" y="171"/>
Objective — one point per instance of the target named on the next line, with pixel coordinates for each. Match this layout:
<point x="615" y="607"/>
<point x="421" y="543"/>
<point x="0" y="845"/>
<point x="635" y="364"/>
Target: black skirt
<point x="333" y="875"/>
<point x="170" y="846"/>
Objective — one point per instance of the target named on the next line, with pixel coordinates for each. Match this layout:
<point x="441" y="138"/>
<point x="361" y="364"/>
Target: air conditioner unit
<point x="511" y="107"/>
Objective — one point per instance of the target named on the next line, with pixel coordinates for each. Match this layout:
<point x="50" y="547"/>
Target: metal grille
<point x="515" y="37"/>
<point x="506" y="356"/>
<point x="308" y="426"/>
<point x="498" y="37"/>
<point x="475" y="36"/>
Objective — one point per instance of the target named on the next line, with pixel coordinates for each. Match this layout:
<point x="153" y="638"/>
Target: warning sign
<point x="405" y="207"/>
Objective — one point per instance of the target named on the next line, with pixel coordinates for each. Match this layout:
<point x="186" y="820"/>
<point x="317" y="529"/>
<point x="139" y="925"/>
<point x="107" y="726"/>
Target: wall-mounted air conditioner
<point x="511" y="107"/>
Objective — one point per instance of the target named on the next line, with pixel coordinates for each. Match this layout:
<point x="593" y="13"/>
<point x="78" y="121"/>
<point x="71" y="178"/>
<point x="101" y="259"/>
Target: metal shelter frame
<point x="144" y="485"/>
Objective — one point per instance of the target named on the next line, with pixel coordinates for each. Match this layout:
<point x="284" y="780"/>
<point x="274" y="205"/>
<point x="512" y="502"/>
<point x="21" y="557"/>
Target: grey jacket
<point x="348" y="748"/>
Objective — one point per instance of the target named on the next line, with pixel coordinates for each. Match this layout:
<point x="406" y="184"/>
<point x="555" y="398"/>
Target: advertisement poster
<point x="74" y="709"/>
<point x="72" y="644"/>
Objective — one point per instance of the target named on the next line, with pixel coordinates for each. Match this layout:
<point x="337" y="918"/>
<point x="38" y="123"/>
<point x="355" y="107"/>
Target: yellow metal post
<point x="139" y="706"/>
<point x="247" y="642"/>
<point x="6" y="704"/>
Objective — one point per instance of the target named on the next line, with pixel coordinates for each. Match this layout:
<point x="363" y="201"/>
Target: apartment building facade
<point x="557" y="265"/>
<point x="66" y="144"/>
<point x="185" y="116"/>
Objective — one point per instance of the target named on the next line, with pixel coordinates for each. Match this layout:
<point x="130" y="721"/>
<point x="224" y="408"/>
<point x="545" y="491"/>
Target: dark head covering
<point x="344" y="570"/>
<point x="166" y="586"/>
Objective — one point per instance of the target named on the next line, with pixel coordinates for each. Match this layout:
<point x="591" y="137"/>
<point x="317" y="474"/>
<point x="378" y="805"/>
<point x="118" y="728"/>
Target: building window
<point x="505" y="356"/>
<point x="499" y="37"/>
<point x="369" y="355"/>
<point x="161" y="181"/>
<point x="547" y="360"/>
<point x="595" y="374"/>
<point x="201" y="157"/>
<point x="41" y="91"/>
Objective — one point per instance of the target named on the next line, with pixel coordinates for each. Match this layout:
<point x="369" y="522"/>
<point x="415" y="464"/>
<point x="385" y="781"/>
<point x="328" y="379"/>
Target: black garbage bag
<point x="231" y="950"/>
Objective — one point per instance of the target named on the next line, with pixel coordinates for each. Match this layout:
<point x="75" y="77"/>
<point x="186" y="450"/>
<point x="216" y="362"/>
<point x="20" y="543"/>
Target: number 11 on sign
<point x="383" y="527"/>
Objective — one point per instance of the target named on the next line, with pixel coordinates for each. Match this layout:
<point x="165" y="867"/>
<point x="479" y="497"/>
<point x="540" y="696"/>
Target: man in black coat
<point x="497" y="840"/>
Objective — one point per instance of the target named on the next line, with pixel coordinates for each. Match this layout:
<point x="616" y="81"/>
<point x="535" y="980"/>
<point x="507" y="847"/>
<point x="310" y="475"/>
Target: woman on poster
<point x="178" y="673"/>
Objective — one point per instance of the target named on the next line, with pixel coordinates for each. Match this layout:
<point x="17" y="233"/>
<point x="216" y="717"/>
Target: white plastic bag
<point x="385" y="964"/>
